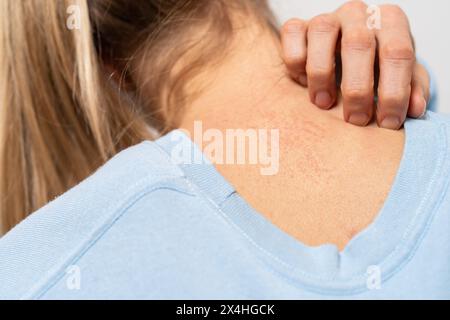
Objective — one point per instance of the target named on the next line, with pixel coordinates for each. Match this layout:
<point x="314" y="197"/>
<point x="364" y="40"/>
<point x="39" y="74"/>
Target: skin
<point x="333" y="177"/>
<point x="310" y="49"/>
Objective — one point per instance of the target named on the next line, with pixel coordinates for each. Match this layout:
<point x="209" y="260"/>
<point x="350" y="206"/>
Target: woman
<point x="343" y="211"/>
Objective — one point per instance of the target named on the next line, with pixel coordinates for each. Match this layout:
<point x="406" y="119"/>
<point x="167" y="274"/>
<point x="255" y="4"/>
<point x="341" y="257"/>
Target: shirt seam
<point x="144" y="186"/>
<point x="354" y="277"/>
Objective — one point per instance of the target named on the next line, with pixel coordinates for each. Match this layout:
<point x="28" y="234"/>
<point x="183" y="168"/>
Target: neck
<point x="251" y="79"/>
<point x="252" y="82"/>
<point x="323" y="161"/>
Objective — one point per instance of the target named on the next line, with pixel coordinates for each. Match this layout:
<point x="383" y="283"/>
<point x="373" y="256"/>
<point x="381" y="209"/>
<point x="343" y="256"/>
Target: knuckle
<point x="358" y="39"/>
<point x="324" y="23"/>
<point x="319" y="73"/>
<point x="353" y="5"/>
<point x="397" y="51"/>
<point x="386" y="94"/>
<point x="394" y="100"/>
<point x="356" y="93"/>
<point x="393" y="10"/>
<point x="295" y="60"/>
<point x="294" y="26"/>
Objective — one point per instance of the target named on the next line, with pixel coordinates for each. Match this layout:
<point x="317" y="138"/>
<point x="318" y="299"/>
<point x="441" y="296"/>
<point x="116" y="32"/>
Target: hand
<point x="311" y="49"/>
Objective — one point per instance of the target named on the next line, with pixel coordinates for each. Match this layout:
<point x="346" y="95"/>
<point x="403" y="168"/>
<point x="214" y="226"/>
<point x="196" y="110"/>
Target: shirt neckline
<point x="382" y="248"/>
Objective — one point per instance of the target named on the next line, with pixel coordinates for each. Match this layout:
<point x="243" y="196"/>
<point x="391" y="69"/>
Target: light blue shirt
<point x="146" y="227"/>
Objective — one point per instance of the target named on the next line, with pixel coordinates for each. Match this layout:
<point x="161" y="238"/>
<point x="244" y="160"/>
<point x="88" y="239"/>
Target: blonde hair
<point x="71" y="99"/>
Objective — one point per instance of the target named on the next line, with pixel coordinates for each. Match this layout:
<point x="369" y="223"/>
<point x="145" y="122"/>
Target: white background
<point x="430" y="23"/>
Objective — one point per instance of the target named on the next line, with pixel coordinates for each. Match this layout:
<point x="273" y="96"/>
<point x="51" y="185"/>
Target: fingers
<point x="317" y="42"/>
<point x="420" y="92"/>
<point x="403" y="87"/>
<point x="358" y="50"/>
<point x="397" y="59"/>
<point x="293" y="39"/>
<point x="323" y="33"/>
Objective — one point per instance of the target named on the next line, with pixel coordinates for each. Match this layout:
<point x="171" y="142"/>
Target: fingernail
<point x="303" y="79"/>
<point x="424" y="103"/>
<point x="359" y="119"/>
<point x="323" y="99"/>
<point x="391" y="122"/>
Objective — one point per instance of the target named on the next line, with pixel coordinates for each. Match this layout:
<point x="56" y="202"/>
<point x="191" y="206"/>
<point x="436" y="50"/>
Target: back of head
<point x="72" y="90"/>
